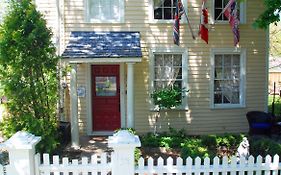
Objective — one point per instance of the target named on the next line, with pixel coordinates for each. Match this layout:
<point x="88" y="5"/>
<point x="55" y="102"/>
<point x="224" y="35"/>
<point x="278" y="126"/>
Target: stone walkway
<point x="89" y="146"/>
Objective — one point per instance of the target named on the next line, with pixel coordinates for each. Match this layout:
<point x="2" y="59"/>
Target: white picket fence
<point x="97" y="165"/>
<point x="24" y="161"/>
<point x="205" y="166"/>
<point x="100" y="165"/>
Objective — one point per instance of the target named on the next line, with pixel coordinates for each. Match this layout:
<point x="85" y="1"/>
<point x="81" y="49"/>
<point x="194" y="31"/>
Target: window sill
<point x="169" y="21"/>
<point x="214" y="107"/>
<point x="154" y="109"/>
<point x="104" y="21"/>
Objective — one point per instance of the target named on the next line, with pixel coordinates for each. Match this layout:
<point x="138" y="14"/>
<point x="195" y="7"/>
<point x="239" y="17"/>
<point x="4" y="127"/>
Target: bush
<point x="28" y="74"/>
<point x="150" y="140"/>
<point x="194" y="148"/>
<point x="44" y="127"/>
<point x="263" y="147"/>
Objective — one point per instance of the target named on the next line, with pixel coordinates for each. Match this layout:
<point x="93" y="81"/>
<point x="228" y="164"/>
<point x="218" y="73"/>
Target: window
<point x="164" y="9"/>
<point x="105" y="10"/>
<point x="228" y="79"/>
<point x="219" y="6"/>
<point x="169" y="69"/>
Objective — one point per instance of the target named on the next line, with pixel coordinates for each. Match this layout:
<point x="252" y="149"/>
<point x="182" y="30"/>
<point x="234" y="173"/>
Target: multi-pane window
<point x="227" y="79"/>
<point x="105" y="10"/>
<point x="164" y="9"/>
<point x="167" y="70"/>
<point x="218" y="9"/>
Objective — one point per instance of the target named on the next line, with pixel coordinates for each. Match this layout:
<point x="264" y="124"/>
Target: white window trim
<point x="170" y="50"/>
<point x="243" y="12"/>
<point x="242" y="88"/>
<point x="121" y="16"/>
<point x="162" y="21"/>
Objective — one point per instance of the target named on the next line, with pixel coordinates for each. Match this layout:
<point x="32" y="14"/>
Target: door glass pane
<point x="106" y="86"/>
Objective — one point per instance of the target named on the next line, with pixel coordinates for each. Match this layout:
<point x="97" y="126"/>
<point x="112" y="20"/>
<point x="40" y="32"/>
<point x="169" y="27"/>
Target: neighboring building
<point x="274" y="75"/>
<point x="120" y="51"/>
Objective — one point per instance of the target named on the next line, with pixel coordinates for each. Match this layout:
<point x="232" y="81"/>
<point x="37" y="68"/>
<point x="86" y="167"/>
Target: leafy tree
<point x="275" y="42"/>
<point x="270" y="15"/>
<point x="28" y="73"/>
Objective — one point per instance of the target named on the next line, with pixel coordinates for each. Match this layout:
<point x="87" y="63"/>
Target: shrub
<point x="193" y="148"/>
<point x="150" y="140"/>
<point x="28" y="67"/>
<point x="44" y="127"/>
<point x="264" y="146"/>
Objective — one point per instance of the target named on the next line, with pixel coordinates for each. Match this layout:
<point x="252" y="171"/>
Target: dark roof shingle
<point x="103" y="45"/>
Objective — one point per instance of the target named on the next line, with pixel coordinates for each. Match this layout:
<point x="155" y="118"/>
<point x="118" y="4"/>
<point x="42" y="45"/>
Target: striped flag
<point x="177" y="17"/>
<point x="230" y="11"/>
<point x="203" y="29"/>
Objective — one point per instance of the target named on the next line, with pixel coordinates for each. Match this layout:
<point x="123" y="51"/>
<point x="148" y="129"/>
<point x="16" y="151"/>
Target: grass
<point x="277" y="104"/>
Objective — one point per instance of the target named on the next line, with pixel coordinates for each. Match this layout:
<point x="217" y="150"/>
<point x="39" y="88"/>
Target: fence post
<point x="123" y="144"/>
<point x="21" y="148"/>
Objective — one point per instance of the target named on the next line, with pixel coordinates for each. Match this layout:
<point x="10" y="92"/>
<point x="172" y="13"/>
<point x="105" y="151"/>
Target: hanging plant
<point x="168" y="98"/>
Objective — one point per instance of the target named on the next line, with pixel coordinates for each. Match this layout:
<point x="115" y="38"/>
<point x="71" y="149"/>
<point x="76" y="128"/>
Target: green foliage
<point x="131" y="130"/>
<point x="150" y="140"/>
<point x="167" y="98"/>
<point x="194" y="148"/>
<point x="137" y="155"/>
<point x="43" y="127"/>
<point x="271" y="14"/>
<point x="28" y="73"/>
<point x="264" y="146"/>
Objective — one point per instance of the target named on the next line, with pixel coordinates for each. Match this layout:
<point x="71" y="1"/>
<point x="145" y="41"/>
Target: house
<point x="274" y="75"/>
<point x="121" y="51"/>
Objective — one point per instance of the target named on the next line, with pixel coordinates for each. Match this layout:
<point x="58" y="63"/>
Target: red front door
<point x="106" y="97"/>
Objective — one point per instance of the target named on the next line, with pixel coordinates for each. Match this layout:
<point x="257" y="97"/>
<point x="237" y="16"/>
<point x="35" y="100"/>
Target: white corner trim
<point x="89" y="99"/>
<point x="122" y="95"/>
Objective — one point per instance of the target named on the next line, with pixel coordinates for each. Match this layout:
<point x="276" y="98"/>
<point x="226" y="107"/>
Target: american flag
<point x="177" y="17"/>
<point x="230" y="12"/>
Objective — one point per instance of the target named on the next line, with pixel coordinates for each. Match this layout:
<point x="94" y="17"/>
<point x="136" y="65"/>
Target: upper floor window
<point x="228" y="74"/>
<point x="164" y="10"/>
<point x="219" y="6"/>
<point x="105" y="10"/>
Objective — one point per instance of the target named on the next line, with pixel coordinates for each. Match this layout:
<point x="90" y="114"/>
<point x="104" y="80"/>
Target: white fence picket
<point x="150" y="166"/>
<point x="251" y="164"/>
<point x="206" y="166"/>
<point x="1" y="170"/>
<point x="84" y="163"/>
<point x="216" y="166"/>
<point x="197" y="166"/>
<point x="56" y="162"/>
<point x="65" y="163"/>
<point x="94" y="162"/>
<point x="224" y="165"/>
<point x="179" y="164"/>
<point x="233" y="165"/>
<point x="188" y="166"/>
<point x="275" y="165"/>
<point x="46" y="162"/>
<point x="267" y="165"/>
<point x="259" y="165"/>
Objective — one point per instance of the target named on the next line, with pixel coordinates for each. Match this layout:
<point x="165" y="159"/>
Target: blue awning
<point x="84" y="44"/>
